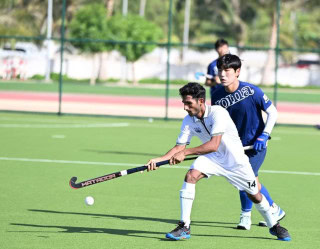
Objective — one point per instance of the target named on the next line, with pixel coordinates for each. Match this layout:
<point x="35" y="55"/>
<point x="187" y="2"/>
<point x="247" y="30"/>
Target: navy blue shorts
<point x="256" y="159"/>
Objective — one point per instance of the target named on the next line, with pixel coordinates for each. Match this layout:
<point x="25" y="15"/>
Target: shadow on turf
<point x="124" y="217"/>
<point x="130" y="233"/>
<point x="125" y="232"/>
<point x="70" y="229"/>
<point x="122" y="153"/>
<point x="219" y="224"/>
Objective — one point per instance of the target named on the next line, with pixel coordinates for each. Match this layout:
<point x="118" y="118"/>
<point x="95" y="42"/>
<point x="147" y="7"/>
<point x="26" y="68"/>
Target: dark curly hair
<point x="194" y="89"/>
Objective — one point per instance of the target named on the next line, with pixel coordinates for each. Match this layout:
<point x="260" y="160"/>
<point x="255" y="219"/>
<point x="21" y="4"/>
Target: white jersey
<point x="216" y="121"/>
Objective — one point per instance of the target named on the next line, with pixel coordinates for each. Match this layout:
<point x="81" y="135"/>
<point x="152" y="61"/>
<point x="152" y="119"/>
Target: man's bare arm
<point x="208" y="147"/>
<point x="212" y="82"/>
<point x="176" y="149"/>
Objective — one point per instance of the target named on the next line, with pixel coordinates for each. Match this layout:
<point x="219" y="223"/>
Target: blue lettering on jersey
<point x="197" y="129"/>
<point x="235" y="97"/>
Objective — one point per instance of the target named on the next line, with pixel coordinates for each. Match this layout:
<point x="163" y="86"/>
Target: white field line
<point x="290" y="172"/>
<point x="135" y="165"/>
<point x="87" y="124"/>
<point x="44" y="120"/>
<point x="66" y="161"/>
<point x="140" y="125"/>
<point x="58" y="136"/>
<point x="57" y="126"/>
<point x="313" y="132"/>
<point x="276" y="138"/>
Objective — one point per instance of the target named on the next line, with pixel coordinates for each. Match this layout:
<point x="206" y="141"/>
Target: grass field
<point x="283" y="94"/>
<point x="40" y="153"/>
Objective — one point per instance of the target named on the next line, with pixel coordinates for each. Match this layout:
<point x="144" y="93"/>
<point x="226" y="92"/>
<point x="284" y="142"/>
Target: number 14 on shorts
<point x="252" y="184"/>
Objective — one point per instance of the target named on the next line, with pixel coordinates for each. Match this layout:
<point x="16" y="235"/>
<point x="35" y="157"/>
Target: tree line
<point x="242" y="22"/>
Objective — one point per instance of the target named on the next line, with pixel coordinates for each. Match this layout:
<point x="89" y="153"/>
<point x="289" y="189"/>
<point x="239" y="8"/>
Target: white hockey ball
<point x="89" y="200"/>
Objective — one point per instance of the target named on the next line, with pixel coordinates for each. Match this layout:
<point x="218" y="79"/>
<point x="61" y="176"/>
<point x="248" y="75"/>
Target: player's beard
<point x="195" y="112"/>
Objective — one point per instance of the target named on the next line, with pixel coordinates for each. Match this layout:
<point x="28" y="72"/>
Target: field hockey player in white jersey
<point x="220" y="154"/>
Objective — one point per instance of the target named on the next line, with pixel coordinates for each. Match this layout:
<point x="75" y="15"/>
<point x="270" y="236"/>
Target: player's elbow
<point x="212" y="148"/>
<point x="214" y="143"/>
<point x="215" y="149"/>
<point x="208" y="82"/>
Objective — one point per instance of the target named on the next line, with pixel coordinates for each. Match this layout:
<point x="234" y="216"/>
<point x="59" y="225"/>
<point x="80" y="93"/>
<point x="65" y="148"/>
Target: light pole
<point x="186" y="28"/>
<point x="142" y="7"/>
<point x="49" y="41"/>
<point x="124" y="7"/>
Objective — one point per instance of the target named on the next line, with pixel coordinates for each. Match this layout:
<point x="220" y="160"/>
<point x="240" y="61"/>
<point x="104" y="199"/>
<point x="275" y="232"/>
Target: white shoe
<point x="245" y="221"/>
<point x="277" y="212"/>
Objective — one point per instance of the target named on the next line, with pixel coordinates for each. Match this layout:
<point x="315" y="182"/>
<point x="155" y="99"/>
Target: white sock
<point x="264" y="209"/>
<point x="244" y="213"/>
<point x="274" y="207"/>
<point x="187" y="194"/>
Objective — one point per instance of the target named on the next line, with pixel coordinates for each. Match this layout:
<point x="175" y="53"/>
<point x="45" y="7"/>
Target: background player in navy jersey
<point x="245" y="103"/>
<point x="222" y="48"/>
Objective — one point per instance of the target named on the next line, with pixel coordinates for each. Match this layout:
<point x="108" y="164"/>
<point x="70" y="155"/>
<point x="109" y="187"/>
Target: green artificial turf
<point x="40" y="153"/>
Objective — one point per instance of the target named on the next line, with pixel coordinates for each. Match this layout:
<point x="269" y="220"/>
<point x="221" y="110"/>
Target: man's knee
<point x="193" y="176"/>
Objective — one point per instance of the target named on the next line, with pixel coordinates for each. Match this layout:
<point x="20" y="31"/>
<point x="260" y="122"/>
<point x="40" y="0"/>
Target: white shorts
<point x="240" y="176"/>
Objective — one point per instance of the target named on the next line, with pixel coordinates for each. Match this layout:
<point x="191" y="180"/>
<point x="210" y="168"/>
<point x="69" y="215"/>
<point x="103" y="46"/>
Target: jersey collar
<point x="206" y="114"/>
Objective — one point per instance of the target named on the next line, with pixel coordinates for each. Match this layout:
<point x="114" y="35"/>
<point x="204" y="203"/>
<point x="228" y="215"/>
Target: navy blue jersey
<point x="245" y="107"/>
<point x="213" y="70"/>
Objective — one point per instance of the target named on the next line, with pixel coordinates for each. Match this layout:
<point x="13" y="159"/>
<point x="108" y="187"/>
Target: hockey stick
<point x="249" y="147"/>
<point x="111" y="176"/>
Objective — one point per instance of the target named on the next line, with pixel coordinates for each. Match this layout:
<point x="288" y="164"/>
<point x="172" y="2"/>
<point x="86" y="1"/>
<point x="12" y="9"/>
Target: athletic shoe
<point x="245" y="222"/>
<point x="280" y="232"/>
<point x="180" y="232"/>
<point x="277" y="212"/>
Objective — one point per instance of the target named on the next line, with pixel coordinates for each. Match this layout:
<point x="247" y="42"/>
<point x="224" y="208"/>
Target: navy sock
<point x="246" y="203"/>
<point x="265" y="192"/>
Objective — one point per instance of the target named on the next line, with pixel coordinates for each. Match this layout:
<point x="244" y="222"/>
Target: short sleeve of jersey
<point x="212" y="69"/>
<point x="261" y="99"/>
<point x="215" y="70"/>
<point x="185" y="133"/>
<point x="219" y="120"/>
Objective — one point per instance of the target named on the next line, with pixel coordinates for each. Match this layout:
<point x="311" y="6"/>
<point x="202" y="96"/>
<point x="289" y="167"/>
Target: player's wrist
<point x="187" y="152"/>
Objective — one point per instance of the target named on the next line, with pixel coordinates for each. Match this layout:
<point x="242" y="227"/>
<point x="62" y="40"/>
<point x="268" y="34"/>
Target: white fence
<point x="153" y="65"/>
